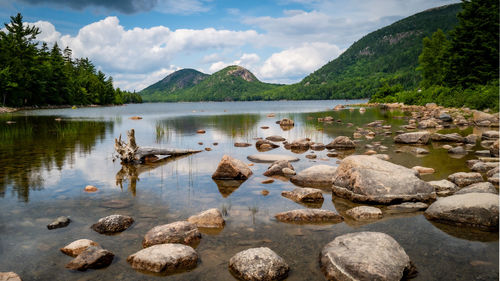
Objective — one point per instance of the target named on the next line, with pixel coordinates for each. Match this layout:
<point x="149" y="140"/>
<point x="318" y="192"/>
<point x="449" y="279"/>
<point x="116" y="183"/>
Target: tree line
<point x="32" y="74"/>
<point x="458" y="68"/>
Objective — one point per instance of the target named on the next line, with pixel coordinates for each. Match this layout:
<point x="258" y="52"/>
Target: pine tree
<point x="433" y="59"/>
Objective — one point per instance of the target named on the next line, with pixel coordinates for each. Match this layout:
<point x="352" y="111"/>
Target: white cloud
<point x="248" y="61"/>
<point x="48" y="32"/>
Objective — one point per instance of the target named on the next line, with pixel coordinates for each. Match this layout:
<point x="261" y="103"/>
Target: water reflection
<point x="33" y="146"/>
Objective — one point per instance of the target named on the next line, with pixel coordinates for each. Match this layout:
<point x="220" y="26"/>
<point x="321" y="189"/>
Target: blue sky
<point x="139" y="42"/>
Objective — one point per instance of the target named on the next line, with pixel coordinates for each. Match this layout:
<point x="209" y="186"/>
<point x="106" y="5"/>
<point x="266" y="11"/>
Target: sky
<point x="139" y="42"/>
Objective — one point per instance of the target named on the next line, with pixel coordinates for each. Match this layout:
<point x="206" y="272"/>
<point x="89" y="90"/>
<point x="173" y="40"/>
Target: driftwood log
<point x="130" y="153"/>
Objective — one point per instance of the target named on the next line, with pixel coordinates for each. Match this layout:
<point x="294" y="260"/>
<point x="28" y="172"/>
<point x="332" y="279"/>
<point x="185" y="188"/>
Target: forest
<point x="36" y="75"/>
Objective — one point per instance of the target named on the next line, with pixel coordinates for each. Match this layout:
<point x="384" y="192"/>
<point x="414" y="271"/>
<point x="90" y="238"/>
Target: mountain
<point x="231" y="83"/>
<point x="389" y="54"/>
<point x="176" y="81"/>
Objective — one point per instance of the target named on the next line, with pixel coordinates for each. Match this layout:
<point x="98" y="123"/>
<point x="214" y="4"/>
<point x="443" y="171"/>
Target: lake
<point x="49" y="156"/>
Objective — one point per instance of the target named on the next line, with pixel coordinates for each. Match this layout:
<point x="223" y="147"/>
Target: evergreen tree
<point x="433" y="59"/>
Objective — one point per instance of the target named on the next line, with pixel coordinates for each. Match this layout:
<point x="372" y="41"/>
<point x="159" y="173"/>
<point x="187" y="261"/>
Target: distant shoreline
<point x="4" y="110"/>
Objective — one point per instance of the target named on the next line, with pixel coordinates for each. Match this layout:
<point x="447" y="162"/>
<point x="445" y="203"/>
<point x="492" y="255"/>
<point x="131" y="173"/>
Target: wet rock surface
<point x="365" y="178"/>
<point x="270" y="158"/>
<point x="275" y="138"/>
<point x="471" y="209"/>
<point x="59" y="222"/>
<point x="413" y="138"/>
<point x="480" y="187"/>
<point x="211" y="218"/>
<point x="258" y="264"/>
<point x="341" y="143"/>
<point x="75" y="248"/>
<point x="463" y="179"/>
<point x="230" y="168"/>
<point x="166" y="258"/>
<point x="444" y="187"/>
<point x="91" y="258"/>
<point x="276" y="169"/>
<point x="304" y="194"/>
<point x="315" y="176"/>
<point x="309" y="216"/>
<point x="112" y="224"/>
<point x="181" y="232"/>
<point x="408" y="207"/>
<point x="364" y="213"/>
<point x="365" y="256"/>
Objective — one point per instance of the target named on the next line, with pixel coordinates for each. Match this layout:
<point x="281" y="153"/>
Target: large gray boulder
<point x="309" y="216"/>
<point x="365" y="256"/>
<point x="270" y="158"/>
<point x="464" y="179"/>
<point x="230" y="168"/>
<point x="363" y="178"/>
<point x="315" y="176"/>
<point x="472" y="209"/>
<point x="181" y="232"/>
<point x="164" y="258"/>
<point x="413" y="138"/>
<point x="93" y="257"/>
<point x="112" y="224"/>
<point x="258" y="264"/>
<point x="480" y="187"/>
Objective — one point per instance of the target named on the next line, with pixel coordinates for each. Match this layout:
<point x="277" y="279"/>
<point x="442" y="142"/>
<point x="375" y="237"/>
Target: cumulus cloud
<point x="130" y="6"/>
<point x="248" y="61"/>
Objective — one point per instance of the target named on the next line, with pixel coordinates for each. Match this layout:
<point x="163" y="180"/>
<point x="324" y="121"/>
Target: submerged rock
<point x="423" y="170"/>
<point x="276" y="169"/>
<point x="365" y="178"/>
<point x="59" y="222"/>
<point x="408" y="207"/>
<point x="463" y="179"/>
<point x="77" y="247"/>
<point x="315" y="176"/>
<point x="299" y="194"/>
<point x="91" y="258"/>
<point x="444" y="187"/>
<point x="112" y="224"/>
<point x="242" y="144"/>
<point x="211" y="218"/>
<point x="275" y="138"/>
<point x="286" y="122"/>
<point x="181" y="232"/>
<point x="270" y="158"/>
<point x="341" y="143"/>
<point x="480" y="187"/>
<point x="365" y="256"/>
<point x="309" y="216"/>
<point x="364" y="213"/>
<point x="413" y="138"/>
<point x="166" y="258"/>
<point x="258" y="264"/>
<point x="457" y="150"/>
<point x="455" y="137"/>
<point x="230" y="168"/>
<point x="471" y="209"/>
<point x="265" y="145"/>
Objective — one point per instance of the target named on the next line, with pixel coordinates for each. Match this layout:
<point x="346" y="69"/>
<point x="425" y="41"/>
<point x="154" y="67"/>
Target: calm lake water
<point x="45" y="165"/>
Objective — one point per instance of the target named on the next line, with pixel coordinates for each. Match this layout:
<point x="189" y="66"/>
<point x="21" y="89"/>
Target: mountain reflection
<point x="32" y="145"/>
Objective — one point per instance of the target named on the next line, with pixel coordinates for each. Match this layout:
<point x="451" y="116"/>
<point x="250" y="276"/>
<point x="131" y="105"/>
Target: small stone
<point x="265" y="192"/>
<point x="364" y="213"/>
<point x="270" y="158"/>
<point x="457" y="150"/>
<point x="370" y="152"/>
<point x="211" y="218"/>
<point x="59" y="222"/>
<point x="231" y="168"/>
<point x="182" y="232"/>
<point x="311" y="156"/>
<point x="75" y="248"/>
<point x="307" y="195"/>
<point x="444" y="187"/>
<point x="200" y="131"/>
<point x="276" y="169"/>
<point x="166" y="258"/>
<point x="208" y="149"/>
<point x="463" y="179"/>
<point x="135" y="118"/>
<point x="264" y="127"/>
<point x="200" y="143"/>
<point x="409" y="207"/>
<point x="90" y="188"/>
<point x="447" y="147"/>
<point x="242" y="144"/>
<point x="275" y="138"/>
<point x="341" y="142"/>
<point x="258" y="264"/>
<point x="268" y="181"/>
<point x="112" y="224"/>
<point x="423" y="170"/>
<point x="91" y="258"/>
<point x="309" y="216"/>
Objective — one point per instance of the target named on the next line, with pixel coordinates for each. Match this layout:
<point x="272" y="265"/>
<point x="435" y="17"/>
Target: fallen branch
<point x="131" y="153"/>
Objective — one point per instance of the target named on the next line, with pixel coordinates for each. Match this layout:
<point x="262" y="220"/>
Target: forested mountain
<point x="389" y="54"/>
<point x="33" y="75"/>
<point x="179" y="80"/>
<point x="229" y="84"/>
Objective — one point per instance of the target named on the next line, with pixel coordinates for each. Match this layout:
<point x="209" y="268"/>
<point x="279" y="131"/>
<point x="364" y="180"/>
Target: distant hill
<point x="390" y="54"/>
<point x="179" y="80"/>
<point x="231" y="83"/>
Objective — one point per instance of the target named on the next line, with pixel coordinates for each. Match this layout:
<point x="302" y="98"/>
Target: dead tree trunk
<point x="131" y="153"/>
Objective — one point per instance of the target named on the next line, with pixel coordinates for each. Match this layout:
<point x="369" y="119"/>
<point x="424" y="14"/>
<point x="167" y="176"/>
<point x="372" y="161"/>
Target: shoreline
<point x="4" y="110"/>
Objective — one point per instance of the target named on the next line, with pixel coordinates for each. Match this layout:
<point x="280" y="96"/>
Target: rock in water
<point x="364" y="213"/>
<point x="342" y="143"/>
<point x="59" y="222"/>
<point x="444" y="187"/>
<point x="275" y="138"/>
<point x="307" y="195"/>
<point x="181" y="232"/>
<point x="276" y="169"/>
<point x="258" y="264"/>
<point x="472" y="209"/>
<point x="413" y="138"/>
<point x="490" y="135"/>
<point x="270" y="158"/>
<point x="77" y="247"/>
<point x="9" y="276"/>
<point x="464" y="179"/>
<point x="455" y="137"/>
<point x="365" y="178"/>
<point x="365" y="256"/>
<point x="164" y="258"/>
<point x="112" y="224"/>
<point x="309" y="216"/>
<point x="480" y="187"/>
<point x="92" y="258"/>
<point x="315" y="176"/>
<point x="230" y="168"/>
<point x="211" y="218"/>
<point x="408" y="207"/>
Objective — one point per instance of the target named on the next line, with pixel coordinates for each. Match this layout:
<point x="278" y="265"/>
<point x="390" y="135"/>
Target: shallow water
<point x="45" y="164"/>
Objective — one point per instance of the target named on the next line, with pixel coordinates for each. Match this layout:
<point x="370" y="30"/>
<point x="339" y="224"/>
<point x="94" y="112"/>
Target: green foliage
<point x="31" y="75"/>
<point x="433" y="59"/>
<point x="179" y="80"/>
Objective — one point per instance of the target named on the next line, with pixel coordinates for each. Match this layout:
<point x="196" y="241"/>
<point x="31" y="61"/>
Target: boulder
<point x="364" y="178"/>
<point x="265" y="145"/>
<point x="479" y="116"/>
<point x="494" y="179"/>
<point x="480" y="187"/>
<point x="90" y="188"/>
<point x="341" y="143"/>
<point x="275" y="138"/>
<point x="315" y="176"/>
<point x="258" y="264"/>
<point x="365" y="256"/>
<point x="211" y="218"/>
<point x="413" y="138"/>
<point x="364" y="213"/>
<point x="494" y="149"/>
<point x="181" y="232"/>
<point x="463" y="179"/>
<point x="276" y="169"/>
<point x="9" y="276"/>
<point x="471" y="139"/>
<point x="482" y="153"/>
<point x="444" y="187"/>
<point x="242" y="144"/>
<point x="471" y="209"/>
<point x="493" y="171"/>
<point x="457" y="150"/>
<point x="230" y="168"/>
<point x="167" y="258"/>
<point x="91" y="258"/>
<point x="428" y="123"/>
<point x="455" y="137"/>
<point x="490" y="135"/>
<point x="408" y="207"/>
<point x="77" y="247"/>
<point x="270" y="158"/>
<point x="300" y="144"/>
<point x="483" y="167"/>
<point x="307" y="195"/>
<point x="112" y="224"/>
<point x="286" y="122"/>
<point x="318" y="146"/>
<point x="309" y="216"/>
<point x="445" y="117"/>
<point x="59" y="222"/>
